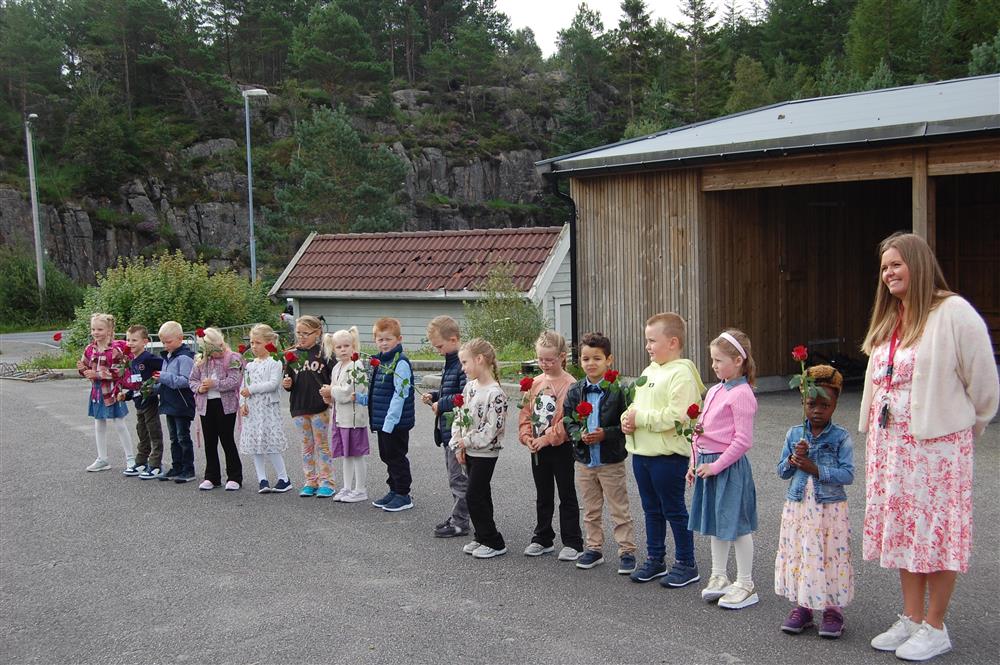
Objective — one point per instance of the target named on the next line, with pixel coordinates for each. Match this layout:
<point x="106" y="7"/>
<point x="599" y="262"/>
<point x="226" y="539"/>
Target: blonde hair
<point x="444" y="327"/>
<point x="387" y="324"/>
<point x="550" y="339"/>
<point x="263" y="332"/>
<point x="480" y="347"/>
<point x="724" y="345"/>
<point x="107" y="319"/>
<point x="310" y="321"/>
<point x="170" y="328"/>
<point x="212" y="342"/>
<point x="672" y="325"/>
<point x="927" y="288"/>
<point x="330" y="339"/>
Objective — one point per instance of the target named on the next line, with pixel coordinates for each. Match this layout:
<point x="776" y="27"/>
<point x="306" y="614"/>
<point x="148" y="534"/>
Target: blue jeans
<point x="181" y="447"/>
<point x="661" y="483"/>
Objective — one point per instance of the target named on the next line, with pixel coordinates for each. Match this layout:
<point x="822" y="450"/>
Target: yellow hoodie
<point x="669" y="390"/>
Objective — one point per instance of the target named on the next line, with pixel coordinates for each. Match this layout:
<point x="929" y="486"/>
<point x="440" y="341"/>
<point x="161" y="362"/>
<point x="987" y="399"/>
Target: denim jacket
<point x="833" y="453"/>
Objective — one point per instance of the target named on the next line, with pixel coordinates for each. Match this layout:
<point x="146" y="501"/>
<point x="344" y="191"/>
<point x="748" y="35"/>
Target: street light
<point x="39" y="267"/>
<point x="247" y="94"/>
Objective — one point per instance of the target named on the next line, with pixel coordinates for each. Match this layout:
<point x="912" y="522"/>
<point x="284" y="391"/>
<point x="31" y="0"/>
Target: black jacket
<point x="608" y="418"/>
<point x="452" y="383"/>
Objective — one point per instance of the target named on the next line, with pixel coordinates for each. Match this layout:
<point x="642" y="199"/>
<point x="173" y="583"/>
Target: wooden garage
<point x="769" y="220"/>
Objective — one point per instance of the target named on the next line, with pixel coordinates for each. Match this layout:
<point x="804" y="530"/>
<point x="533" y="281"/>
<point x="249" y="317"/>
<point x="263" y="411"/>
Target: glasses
<point x="304" y="334"/>
<point x="547" y="361"/>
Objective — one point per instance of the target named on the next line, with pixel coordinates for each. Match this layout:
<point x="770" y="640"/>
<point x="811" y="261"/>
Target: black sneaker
<point x="185" y="477"/>
<point x="449" y="530"/>
<point x="170" y="475"/>
<point x="265" y="487"/>
<point x="282" y="486"/>
<point x="589" y="559"/>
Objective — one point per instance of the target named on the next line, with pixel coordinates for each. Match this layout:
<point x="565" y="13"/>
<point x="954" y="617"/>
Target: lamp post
<point x="247" y="94"/>
<point x="39" y="266"/>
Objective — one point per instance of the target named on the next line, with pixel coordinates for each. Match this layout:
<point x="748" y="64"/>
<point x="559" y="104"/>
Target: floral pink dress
<point x="918" y="512"/>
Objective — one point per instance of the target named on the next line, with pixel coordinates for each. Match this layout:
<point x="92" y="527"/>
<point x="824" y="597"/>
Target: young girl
<point x="105" y="362"/>
<point x="540" y="428"/>
<point x="476" y="441"/>
<point x="263" y="434"/>
<point x="349" y="429"/>
<point x="310" y="413"/>
<point x="724" y="505"/>
<point x="813" y="567"/>
<point x="215" y="381"/>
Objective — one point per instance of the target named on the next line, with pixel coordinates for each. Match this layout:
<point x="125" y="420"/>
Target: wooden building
<point x="769" y="220"/>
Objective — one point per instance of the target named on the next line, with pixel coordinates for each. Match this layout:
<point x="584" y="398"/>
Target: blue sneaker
<point x="308" y="490"/>
<point x="650" y="570"/>
<point x="399" y="502"/>
<point x="381" y="503"/>
<point x="282" y="485"/>
<point x="265" y="487"/>
<point x="680" y="575"/>
<point x="325" y="491"/>
<point x="589" y="559"/>
<point x="626" y="564"/>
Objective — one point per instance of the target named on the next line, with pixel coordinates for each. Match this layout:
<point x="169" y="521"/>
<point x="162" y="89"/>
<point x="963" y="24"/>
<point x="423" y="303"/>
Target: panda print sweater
<point x="542" y="411"/>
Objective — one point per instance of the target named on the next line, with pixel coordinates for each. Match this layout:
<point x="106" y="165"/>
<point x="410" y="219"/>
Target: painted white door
<point x="564" y="318"/>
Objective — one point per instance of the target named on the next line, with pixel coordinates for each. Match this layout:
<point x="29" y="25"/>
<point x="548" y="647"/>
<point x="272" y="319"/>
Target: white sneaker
<point x="149" y="474"/>
<point x="537" y="549"/>
<point x="206" y="485"/>
<point x="739" y="596"/>
<point x="471" y="547"/>
<point x="487" y="552"/>
<point x="896" y="636"/>
<point x="926" y="643"/>
<point x="718" y="586"/>
<point x="569" y="554"/>
<point x="99" y="465"/>
<point x="232" y="485"/>
<point x="355" y="496"/>
<point x="342" y="495"/>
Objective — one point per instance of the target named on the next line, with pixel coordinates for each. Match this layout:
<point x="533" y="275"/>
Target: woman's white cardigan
<point x="955" y="384"/>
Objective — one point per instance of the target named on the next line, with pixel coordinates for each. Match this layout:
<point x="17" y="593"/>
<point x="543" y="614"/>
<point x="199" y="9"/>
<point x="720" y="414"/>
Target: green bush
<point x="167" y="288"/>
<point x="19" y="304"/>
<point x="504" y="316"/>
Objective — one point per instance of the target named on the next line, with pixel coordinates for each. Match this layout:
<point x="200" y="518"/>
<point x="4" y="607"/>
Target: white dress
<point x="263" y="430"/>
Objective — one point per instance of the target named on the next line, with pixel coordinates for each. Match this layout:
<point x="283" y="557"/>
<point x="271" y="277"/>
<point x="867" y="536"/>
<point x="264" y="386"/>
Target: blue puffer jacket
<point x="833" y="453"/>
<point x="390" y="406"/>
<point x="452" y="383"/>
<point x="176" y="398"/>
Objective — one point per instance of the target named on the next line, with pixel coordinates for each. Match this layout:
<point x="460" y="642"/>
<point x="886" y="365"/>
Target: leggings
<point x="101" y="434"/>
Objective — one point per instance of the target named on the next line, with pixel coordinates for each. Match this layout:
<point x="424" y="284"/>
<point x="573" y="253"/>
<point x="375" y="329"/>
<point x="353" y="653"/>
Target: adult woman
<point x="931" y="385"/>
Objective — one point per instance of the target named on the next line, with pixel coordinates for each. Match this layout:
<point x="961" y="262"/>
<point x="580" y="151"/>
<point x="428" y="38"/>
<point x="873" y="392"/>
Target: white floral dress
<point x="918" y="511"/>
<point x="262" y="429"/>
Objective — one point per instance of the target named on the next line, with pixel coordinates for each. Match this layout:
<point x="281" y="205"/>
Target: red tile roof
<point x="419" y="261"/>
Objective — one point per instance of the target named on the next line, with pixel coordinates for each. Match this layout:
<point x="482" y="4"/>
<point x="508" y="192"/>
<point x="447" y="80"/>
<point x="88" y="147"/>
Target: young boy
<point x="147" y="408"/>
<point x="177" y="401"/>
<point x="390" y="412"/>
<point x="444" y="335"/>
<point x="659" y="455"/>
<point x="600" y="472"/>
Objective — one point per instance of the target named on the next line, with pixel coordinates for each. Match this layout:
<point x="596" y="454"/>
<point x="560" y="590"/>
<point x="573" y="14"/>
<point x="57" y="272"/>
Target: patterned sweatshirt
<point x="545" y="402"/>
<point x="112" y="366"/>
<point x="488" y="407"/>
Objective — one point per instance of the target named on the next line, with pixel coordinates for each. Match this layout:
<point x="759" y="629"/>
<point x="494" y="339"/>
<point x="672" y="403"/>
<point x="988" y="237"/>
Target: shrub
<point x="505" y="316"/>
<point x="19" y="291"/>
<point x="171" y="288"/>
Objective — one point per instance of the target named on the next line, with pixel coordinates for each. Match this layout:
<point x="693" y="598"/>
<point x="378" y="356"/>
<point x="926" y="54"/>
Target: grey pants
<point x="458" y="482"/>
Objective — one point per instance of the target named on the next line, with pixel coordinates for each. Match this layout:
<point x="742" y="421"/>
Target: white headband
<point x="732" y="340"/>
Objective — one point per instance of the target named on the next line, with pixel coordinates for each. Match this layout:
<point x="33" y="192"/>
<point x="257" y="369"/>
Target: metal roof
<point x="913" y="112"/>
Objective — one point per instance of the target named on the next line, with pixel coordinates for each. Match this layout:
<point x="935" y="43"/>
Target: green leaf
<point x="641" y="381"/>
<point x="567" y="420"/>
<point x="795" y="381"/>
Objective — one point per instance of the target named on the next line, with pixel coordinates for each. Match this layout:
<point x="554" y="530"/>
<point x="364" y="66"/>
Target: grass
<point x="63" y="360"/>
<point x="35" y="326"/>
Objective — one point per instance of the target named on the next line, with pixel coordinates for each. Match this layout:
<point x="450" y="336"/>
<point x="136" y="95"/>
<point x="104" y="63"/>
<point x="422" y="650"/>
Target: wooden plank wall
<point x="638" y="253"/>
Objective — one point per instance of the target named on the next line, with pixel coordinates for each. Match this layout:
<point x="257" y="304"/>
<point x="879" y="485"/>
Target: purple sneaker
<point x="798" y="620"/>
<point x="833" y="623"/>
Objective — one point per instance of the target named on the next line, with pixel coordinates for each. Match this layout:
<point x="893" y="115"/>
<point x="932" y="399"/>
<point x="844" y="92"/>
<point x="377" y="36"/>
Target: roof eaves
<point x="291" y="264"/>
<point x="441" y="294"/>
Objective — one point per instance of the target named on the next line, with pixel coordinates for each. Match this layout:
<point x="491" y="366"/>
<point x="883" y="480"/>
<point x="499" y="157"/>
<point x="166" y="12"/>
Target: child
<point x="263" y="434"/>
<point x="476" y="444"/>
<point x="443" y="334"/>
<point x="177" y="401"/>
<point x="390" y="412"/>
<point x="105" y="363"/>
<point x="600" y="456"/>
<point x="660" y="456"/>
<point x="147" y="407"/>
<point x="215" y="380"/>
<point x="541" y="429"/>
<point x="310" y="413"/>
<point x="724" y="504"/>
<point x="349" y="429"/>
<point x="813" y="567"/>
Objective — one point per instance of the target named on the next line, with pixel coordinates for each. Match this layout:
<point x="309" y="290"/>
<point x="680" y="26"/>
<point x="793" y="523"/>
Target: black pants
<point x="479" y="498"/>
<point x="392" y="449"/>
<point x="555" y="469"/>
<point x="218" y="426"/>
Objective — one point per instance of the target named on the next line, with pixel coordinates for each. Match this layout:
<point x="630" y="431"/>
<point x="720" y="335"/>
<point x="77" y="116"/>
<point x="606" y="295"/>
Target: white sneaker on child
<point x="343" y="495"/>
<point x="487" y="552"/>
<point x="471" y="547"/>
<point x="99" y="465"/>
<point x="897" y="635"/>
<point x="926" y="643"/>
<point x="569" y="554"/>
<point x="356" y="496"/>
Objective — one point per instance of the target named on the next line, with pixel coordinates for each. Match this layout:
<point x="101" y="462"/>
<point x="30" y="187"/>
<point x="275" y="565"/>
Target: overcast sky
<point x="547" y="17"/>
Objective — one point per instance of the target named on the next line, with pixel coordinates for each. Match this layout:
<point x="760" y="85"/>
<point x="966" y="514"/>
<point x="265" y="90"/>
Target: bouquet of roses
<point x="579" y="416"/>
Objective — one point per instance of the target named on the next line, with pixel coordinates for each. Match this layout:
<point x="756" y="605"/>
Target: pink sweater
<point x="727" y="423"/>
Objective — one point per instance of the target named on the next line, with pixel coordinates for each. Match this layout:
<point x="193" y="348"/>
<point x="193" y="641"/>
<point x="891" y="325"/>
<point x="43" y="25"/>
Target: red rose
<point x="611" y="375"/>
<point x="57" y="337"/>
<point x="243" y="348"/>
<point x="270" y="347"/>
<point x="584" y="409"/>
<point x="200" y="332"/>
<point x="458" y="400"/>
<point x="800" y="353"/>
<point x="374" y="362"/>
<point x="290" y="356"/>
<point x="526" y="384"/>
<point x="693" y="411"/>
<point x="354" y="357"/>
